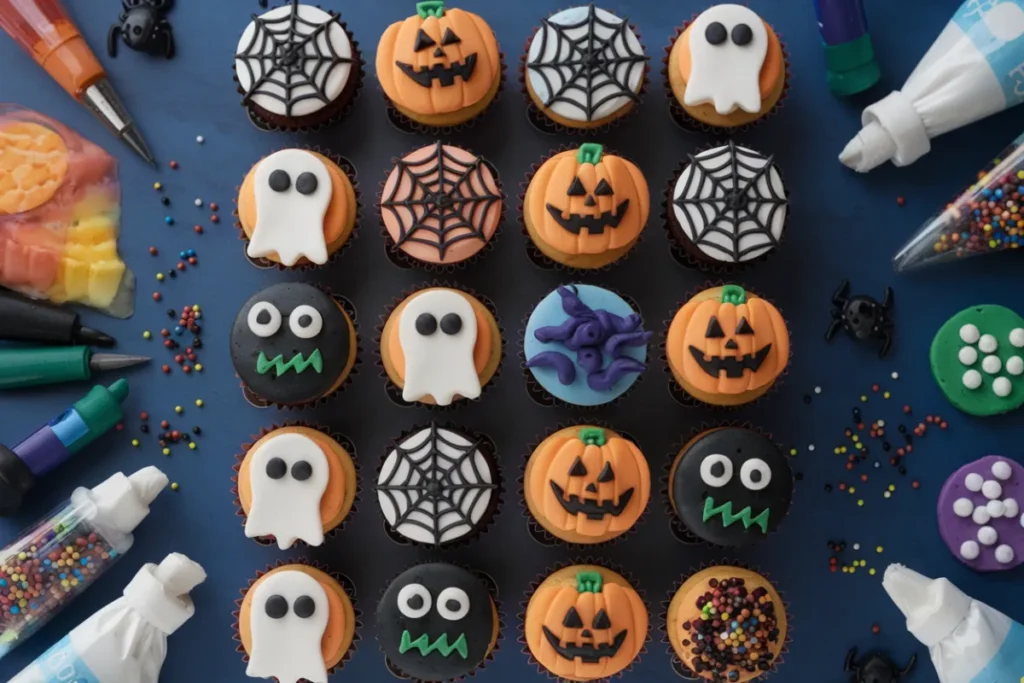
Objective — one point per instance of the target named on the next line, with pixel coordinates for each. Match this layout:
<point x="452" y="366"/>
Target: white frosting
<point x="700" y="203"/>
<point x="995" y="508"/>
<point x="289" y="223"/>
<point x="969" y="550"/>
<point x="981" y="515"/>
<point x="287" y="508"/>
<point x="727" y="74"/>
<point x="288" y="648"/>
<point x="974" y="482"/>
<point x="991" y="364"/>
<point x="970" y="333"/>
<point x="1001" y="387"/>
<point x="707" y="470"/>
<point x="578" y="93"/>
<point x="992" y="489"/>
<point x="256" y="67"/>
<point x="439" y="365"/>
<point x="987" y="535"/>
<point x="968" y="355"/>
<point x="1004" y="554"/>
<point x="1010" y="508"/>
<point x="988" y="344"/>
<point x="1001" y="470"/>
<point x="1015" y="365"/>
<point x="1017" y="337"/>
<point x="972" y="379"/>
<point x="963" y="507"/>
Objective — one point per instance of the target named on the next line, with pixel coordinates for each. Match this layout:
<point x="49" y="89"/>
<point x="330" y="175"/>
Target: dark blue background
<point x="841" y="225"/>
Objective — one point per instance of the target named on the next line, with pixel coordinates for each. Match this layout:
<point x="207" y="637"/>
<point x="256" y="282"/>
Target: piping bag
<point x="974" y="69"/>
<point x="126" y="641"/>
<point x="969" y="641"/>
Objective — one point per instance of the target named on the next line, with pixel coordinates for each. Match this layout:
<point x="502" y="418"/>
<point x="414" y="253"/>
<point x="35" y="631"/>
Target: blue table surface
<point x="841" y="225"/>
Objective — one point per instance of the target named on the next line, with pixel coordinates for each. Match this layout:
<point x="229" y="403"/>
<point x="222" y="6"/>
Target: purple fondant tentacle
<point x="589" y="359"/>
<point x="616" y="370"/>
<point x="561" y="364"/>
<point x="615" y="343"/>
<point x="617" y="323"/>
<point x="558" y="332"/>
<point x="573" y="305"/>
<point x="589" y="333"/>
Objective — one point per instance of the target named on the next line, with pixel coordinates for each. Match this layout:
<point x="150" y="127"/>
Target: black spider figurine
<point x="862" y="317"/>
<point x="876" y="667"/>
<point x="143" y="27"/>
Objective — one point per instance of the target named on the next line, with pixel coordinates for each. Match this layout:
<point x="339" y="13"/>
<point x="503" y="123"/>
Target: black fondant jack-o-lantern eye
<point x="714" y="330"/>
<point x="423" y="41"/>
<point x="601" y="620"/>
<point x="450" y="38"/>
<point x="578" y="469"/>
<point x="603" y="189"/>
<point x="576" y="189"/>
<point x="744" y="327"/>
<point x="606" y="475"/>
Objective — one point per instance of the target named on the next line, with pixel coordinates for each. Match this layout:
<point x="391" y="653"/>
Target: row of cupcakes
<point x="583" y="207"/>
<point x="443" y="622"/>
<point x="298" y="67"/>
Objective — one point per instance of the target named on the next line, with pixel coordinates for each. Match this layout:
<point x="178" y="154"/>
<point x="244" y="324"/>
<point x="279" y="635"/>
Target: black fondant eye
<point x="715" y="33"/>
<point x="426" y="324"/>
<point x="414" y="600"/>
<point x="606" y="475"/>
<point x="306" y="183"/>
<point x="578" y="469"/>
<point x="742" y="35"/>
<point x="276" y="468"/>
<point x="744" y="327"/>
<point x="453" y="603"/>
<point x="603" y="189"/>
<point x="276" y="607"/>
<point x="755" y="474"/>
<point x="601" y="620"/>
<point x="423" y="41"/>
<point x="716" y="470"/>
<point x="280" y="181"/>
<point x="304" y="607"/>
<point x="714" y="329"/>
<point x="576" y="189"/>
<point x="264" y="319"/>
<point x="451" y="323"/>
<point x="302" y="470"/>
<point x="305" y="322"/>
<point x="572" y="619"/>
<point x="450" y="38"/>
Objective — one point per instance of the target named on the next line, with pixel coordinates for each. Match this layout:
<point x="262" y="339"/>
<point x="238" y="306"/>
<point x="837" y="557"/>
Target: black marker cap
<point x="15" y="481"/>
<point x="22" y="319"/>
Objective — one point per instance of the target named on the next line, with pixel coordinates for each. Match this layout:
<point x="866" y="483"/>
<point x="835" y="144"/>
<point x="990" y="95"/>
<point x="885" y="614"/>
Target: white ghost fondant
<point x="437" y="332"/>
<point x="288" y="616"/>
<point x="288" y="475"/>
<point x="293" y="191"/>
<point x="723" y="72"/>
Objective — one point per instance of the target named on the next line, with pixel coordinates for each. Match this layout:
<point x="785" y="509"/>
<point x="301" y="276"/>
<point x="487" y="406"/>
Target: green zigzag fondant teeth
<point x="728" y="518"/>
<point x="298" y="363"/>
<point x="440" y="645"/>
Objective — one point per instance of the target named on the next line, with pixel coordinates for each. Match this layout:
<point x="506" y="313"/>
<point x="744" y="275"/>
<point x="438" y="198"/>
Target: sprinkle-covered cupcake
<point x="585" y="345"/>
<point x="293" y="344"/>
<point x="441" y="205"/>
<point x="585" y="208"/>
<point x="727" y="68"/>
<point x="727" y="346"/>
<point x="586" y="484"/>
<point x="441" y="66"/>
<point x="296" y="207"/>
<point x="585" y="67"/>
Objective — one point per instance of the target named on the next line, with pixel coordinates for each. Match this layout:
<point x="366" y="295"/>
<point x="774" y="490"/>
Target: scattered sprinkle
<point x="153" y="251"/>
<point x="214" y="206"/>
<point x="895" y="375"/>
<point x="900" y="201"/>
<point x="198" y="202"/>
<point x="192" y="445"/>
<point x="810" y="447"/>
<point x="215" y="218"/>
<point x="166" y="451"/>
<point x="173" y="164"/>
<point x="158" y="186"/>
<point x="147" y="335"/>
<point x="199" y="403"/>
<point x="159" y="277"/>
<point x="174" y="486"/>
<point x="875" y="628"/>
<point x="135" y="442"/>
<point x="157" y="296"/>
<point x="200" y="139"/>
<point x="179" y="410"/>
<point x="817" y="390"/>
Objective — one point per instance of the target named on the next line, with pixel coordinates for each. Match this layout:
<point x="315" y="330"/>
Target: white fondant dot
<point x="974" y="482"/>
<point x="987" y="344"/>
<point x="1017" y="337"/>
<point x="992" y="489"/>
<point x="991" y="364"/>
<point x="969" y="550"/>
<point x="968" y="355"/>
<point x="1015" y="365"/>
<point x="987" y="535"/>
<point x="1004" y="554"/>
<point x="1010" y="508"/>
<point x="963" y="507"/>
<point x="972" y="379"/>
<point x="1002" y="387"/>
<point x="1001" y="470"/>
<point x="981" y="515"/>
<point x="969" y="333"/>
<point x="996" y="508"/>
<point x="856" y="546"/>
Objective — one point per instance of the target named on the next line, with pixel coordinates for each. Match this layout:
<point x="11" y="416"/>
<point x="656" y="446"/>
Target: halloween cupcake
<point x="293" y="344"/>
<point x="441" y="205"/>
<point x="727" y="68"/>
<point x="585" y="208"/>
<point x="297" y="67"/>
<point x="727" y="625"/>
<point x="586" y="484"/>
<point x="726" y="346"/>
<point x="296" y="207"/>
<point x="295" y="483"/>
<point x="296" y="622"/>
<point x="441" y="66"/>
<point x="584" y="345"/>
<point x="440" y="345"/>
<point x="437" y="622"/>
<point x="605" y="88"/>
<point x="730" y="486"/>
<point x="727" y="207"/>
<point x="585" y="623"/>
<point x="438" y="486"/>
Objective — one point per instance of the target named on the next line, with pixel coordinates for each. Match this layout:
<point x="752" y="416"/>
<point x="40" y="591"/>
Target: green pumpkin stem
<point x="589" y="582"/>
<point x="589" y="153"/>
<point x="733" y="294"/>
<point x="430" y="8"/>
<point x="593" y="436"/>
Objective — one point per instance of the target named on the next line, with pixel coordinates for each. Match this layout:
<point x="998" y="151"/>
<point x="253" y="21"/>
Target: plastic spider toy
<point x="862" y="317"/>
<point x="143" y="28"/>
<point x="876" y="667"/>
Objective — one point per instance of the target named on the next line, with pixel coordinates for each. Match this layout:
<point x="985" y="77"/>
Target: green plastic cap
<point x="851" y="66"/>
<point x="100" y="409"/>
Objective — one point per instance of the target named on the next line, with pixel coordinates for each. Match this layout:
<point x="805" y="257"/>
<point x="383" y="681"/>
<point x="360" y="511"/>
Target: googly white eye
<point x="716" y="470"/>
<point x="414" y="600"/>
<point x="264" y="319"/>
<point x="305" y="322"/>
<point x="453" y="603"/>
<point x="755" y="474"/>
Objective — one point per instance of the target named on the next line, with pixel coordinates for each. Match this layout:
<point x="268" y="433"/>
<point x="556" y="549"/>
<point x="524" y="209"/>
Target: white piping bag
<point x="974" y="69"/>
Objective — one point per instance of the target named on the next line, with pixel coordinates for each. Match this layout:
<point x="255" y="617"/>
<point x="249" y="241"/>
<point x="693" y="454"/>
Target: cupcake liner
<point x="259" y="402"/>
<point x="533" y="252"/>
<point x="489" y="448"/>
<point x="686" y="257"/>
<point x="677" y="665"/>
<point x="542" y="397"/>
<point x="492" y="588"/>
<point x="349" y="169"/>
<point x="393" y="391"/>
<point x="346" y="443"/>
<point x="677" y="392"/>
<point x="346" y="585"/>
<point x="692" y="125"/>
<point x="544" y="537"/>
<point x="402" y="260"/>
<point x="548" y="126"/>
<point x="580" y="559"/>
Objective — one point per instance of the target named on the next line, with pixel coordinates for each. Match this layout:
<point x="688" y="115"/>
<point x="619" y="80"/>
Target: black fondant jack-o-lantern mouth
<point x="732" y="366"/>
<point x="594" y="224"/>
<point x="444" y="75"/>
<point x="592" y="508"/>
<point x="587" y="653"/>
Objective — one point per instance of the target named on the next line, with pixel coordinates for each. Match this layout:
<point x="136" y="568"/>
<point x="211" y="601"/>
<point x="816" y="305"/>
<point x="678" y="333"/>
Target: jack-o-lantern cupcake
<point x="585" y="208"/>
<point x="440" y="345"/>
<point x="295" y="483"/>
<point x="587" y="484"/>
<point x="296" y="207"/>
<point x="585" y="623"/>
<point x="727" y="346"/>
<point x="727" y="67"/>
<point x="441" y="66"/>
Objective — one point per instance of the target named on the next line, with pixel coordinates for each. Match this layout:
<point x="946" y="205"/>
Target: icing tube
<point x="126" y="641"/>
<point x="974" y="69"/>
<point x="969" y="641"/>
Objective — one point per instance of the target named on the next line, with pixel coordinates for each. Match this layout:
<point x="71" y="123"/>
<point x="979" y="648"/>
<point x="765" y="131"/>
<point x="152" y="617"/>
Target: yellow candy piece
<point x="104" y="281"/>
